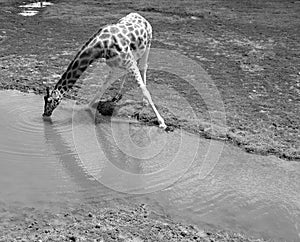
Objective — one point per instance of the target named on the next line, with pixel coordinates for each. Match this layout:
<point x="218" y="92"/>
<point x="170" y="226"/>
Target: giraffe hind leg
<point x="108" y="80"/>
<point x="123" y="80"/>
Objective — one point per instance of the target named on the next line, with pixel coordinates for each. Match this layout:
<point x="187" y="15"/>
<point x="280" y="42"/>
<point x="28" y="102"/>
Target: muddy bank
<point x="89" y="223"/>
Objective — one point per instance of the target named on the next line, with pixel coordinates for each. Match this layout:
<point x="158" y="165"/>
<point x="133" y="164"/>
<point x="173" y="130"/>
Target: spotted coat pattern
<point x="119" y="45"/>
<point x="114" y="43"/>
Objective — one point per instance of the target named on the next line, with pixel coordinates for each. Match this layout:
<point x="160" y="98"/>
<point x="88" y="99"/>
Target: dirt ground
<point x="84" y="223"/>
<point x="249" y="48"/>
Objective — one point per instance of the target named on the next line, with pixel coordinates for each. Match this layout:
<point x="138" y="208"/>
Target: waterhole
<point x="65" y="160"/>
<point x="31" y="9"/>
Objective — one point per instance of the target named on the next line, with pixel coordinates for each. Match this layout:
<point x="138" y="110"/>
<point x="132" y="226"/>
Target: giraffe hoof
<point x="163" y="126"/>
<point x="117" y="98"/>
<point x="145" y="102"/>
<point x="92" y="106"/>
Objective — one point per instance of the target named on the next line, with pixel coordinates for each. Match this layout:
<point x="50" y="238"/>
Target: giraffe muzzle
<point x="47" y="114"/>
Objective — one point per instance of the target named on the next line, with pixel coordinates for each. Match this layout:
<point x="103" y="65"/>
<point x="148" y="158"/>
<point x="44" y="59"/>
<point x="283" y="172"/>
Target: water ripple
<point x="23" y="126"/>
<point x="248" y="192"/>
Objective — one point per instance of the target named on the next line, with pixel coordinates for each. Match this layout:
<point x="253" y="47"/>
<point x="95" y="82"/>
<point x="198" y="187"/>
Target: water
<point x="70" y="159"/>
<point x="28" y="8"/>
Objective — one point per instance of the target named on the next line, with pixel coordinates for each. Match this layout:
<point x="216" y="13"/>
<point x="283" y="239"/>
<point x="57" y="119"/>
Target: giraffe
<point x="123" y="45"/>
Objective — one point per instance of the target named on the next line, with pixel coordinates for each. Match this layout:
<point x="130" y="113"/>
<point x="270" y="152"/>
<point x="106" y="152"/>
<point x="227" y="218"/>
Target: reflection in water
<point x="111" y="155"/>
<point x="29" y="172"/>
<point x="58" y="136"/>
<point x="41" y="162"/>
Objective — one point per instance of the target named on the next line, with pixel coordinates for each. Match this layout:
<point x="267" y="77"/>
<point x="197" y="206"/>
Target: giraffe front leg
<point x="93" y="102"/>
<point x="145" y="100"/>
<point x="143" y="64"/>
<point x="137" y="75"/>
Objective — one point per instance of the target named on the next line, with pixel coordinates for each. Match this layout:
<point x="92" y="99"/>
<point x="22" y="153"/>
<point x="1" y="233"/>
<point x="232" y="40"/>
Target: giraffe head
<point x="51" y="101"/>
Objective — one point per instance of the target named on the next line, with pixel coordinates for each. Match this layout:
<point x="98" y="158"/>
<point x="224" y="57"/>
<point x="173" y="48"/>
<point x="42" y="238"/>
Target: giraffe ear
<point x="47" y="91"/>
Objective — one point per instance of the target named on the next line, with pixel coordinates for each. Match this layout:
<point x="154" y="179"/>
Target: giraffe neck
<point x="87" y="54"/>
<point x="75" y="70"/>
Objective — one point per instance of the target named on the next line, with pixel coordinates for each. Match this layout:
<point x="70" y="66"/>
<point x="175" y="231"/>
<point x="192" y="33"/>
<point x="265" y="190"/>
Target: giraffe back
<point x="131" y="35"/>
